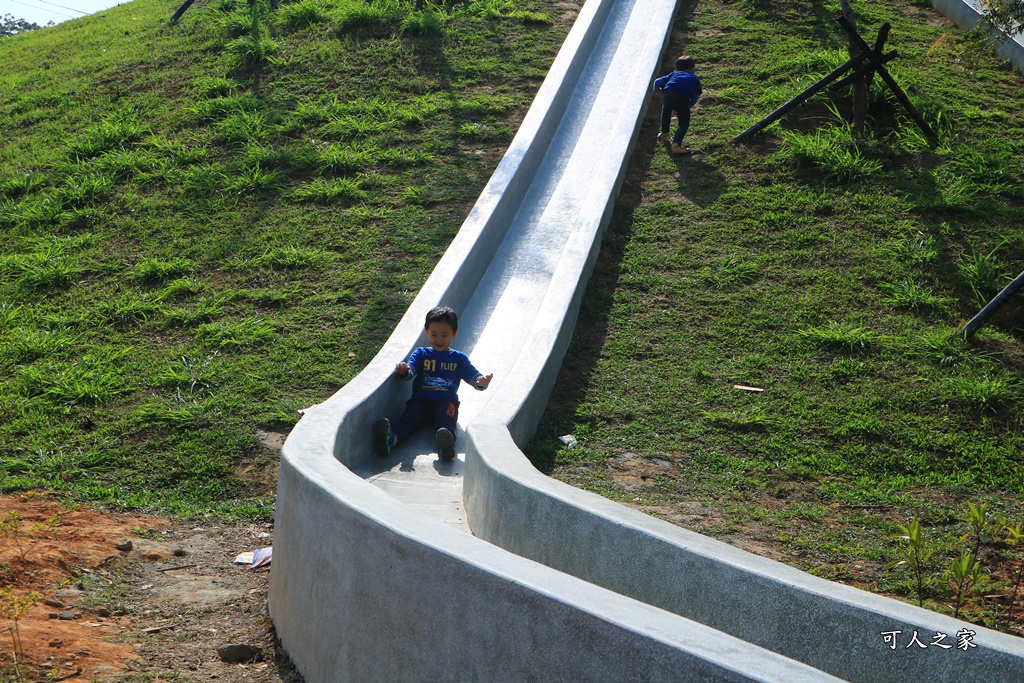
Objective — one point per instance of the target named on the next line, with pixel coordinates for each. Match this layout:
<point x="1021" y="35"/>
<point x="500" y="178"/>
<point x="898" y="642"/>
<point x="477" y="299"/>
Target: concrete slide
<point x="377" y="575"/>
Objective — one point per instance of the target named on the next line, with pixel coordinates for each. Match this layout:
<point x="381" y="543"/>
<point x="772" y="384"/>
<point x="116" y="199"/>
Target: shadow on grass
<point x="700" y="182"/>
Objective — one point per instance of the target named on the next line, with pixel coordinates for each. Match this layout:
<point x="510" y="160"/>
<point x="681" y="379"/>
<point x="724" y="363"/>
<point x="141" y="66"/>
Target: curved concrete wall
<point x="832" y="627"/>
<point x="364" y="590"/>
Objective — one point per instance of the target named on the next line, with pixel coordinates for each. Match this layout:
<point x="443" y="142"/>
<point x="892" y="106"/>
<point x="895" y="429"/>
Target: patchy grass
<point x="830" y="270"/>
<point x="207" y="225"/>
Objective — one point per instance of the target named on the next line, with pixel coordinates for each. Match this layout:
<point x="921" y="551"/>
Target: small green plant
<point x="914" y="553"/>
<point x="243" y="127"/>
<point x="26" y="540"/>
<point x="983" y="275"/>
<point x="292" y="258"/>
<point x="248" y="332"/>
<point x="836" y="335"/>
<point x="831" y="150"/>
<point x="983" y="394"/>
<point x="341" y="160"/>
<point x="154" y="271"/>
<point x="256" y="48"/>
<point x="948" y="348"/>
<point x="301" y="14"/>
<point x="255" y="180"/>
<point x="917" y="248"/>
<point x="326" y="191"/>
<point x="422" y="24"/>
<point x="247" y="51"/>
<point x="13" y="607"/>
<point x="26" y="345"/>
<point x="128" y="309"/>
<point x="210" y="87"/>
<point x="39" y="271"/>
<point x="915" y="297"/>
<point x="962" y="577"/>
<point x="22" y="184"/>
<point x="727" y="272"/>
<point x="985" y="524"/>
<point x="1015" y="539"/>
<point x="110" y="133"/>
<point x="360" y="20"/>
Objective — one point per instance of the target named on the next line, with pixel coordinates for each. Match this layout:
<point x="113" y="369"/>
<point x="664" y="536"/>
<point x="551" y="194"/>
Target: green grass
<point x="208" y="225"/>
<point x="832" y="271"/>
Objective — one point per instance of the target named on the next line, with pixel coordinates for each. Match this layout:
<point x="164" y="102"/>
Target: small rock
<point x="56" y="642"/>
<point x="125" y="546"/>
<point x="67" y="615"/>
<point x="53" y="603"/>
<point x="239" y="653"/>
<point x="103" y="612"/>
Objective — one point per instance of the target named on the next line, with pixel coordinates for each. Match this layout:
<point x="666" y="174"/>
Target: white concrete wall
<point x="362" y="589"/>
<point x="832" y="627"/>
<point x="967" y="13"/>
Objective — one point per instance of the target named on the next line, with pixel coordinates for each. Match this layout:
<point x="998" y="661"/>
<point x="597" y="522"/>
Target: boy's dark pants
<point x="441" y="411"/>
<point x="673" y="101"/>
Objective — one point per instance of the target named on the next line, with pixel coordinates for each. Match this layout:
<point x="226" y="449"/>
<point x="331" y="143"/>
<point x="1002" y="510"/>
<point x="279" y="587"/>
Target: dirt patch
<point x="157" y="608"/>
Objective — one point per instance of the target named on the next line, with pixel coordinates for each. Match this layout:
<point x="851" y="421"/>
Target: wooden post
<point x="860" y="87"/>
<point x="991" y="307"/>
<point x="893" y="85"/>
<point x="865" y="71"/>
<point x="181" y="10"/>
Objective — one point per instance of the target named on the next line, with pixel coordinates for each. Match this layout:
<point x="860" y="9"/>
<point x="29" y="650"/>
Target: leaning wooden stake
<point x="799" y="99"/>
<point x="991" y="307"/>
<point x="181" y="10"/>
<point x="893" y="85"/>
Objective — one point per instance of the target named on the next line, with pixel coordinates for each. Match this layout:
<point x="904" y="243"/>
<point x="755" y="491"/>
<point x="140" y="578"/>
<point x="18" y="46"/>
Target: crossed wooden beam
<point x="867" y="61"/>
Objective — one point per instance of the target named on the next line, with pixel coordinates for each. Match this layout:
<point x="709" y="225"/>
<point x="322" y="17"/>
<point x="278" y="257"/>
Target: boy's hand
<point x="485" y="380"/>
<point x="402" y="369"/>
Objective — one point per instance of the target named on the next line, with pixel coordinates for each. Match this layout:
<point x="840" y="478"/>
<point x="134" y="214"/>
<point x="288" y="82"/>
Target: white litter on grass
<point x="257" y="558"/>
<point x="569" y="440"/>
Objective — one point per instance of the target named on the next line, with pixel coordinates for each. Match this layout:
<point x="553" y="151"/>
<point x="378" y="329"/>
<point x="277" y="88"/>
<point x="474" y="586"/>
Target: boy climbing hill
<point x="680" y="91"/>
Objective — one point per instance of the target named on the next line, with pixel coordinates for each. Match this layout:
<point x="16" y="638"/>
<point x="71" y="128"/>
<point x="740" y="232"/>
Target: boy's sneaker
<point x="662" y="137"/>
<point x="445" y="444"/>
<point x="382" y="437"/>
<point x="676" y="149"/>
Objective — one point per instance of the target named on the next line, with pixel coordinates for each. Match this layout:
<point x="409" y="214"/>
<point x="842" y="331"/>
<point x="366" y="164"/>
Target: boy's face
<point x="440" y="335"/>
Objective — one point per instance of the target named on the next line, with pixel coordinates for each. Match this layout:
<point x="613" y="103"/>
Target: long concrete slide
<point x="376" y="574"/>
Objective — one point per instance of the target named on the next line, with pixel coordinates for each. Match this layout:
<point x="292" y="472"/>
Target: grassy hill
<point x="205" y="226"/>
<point x="208" y="225"/>
<point x="832" y="271"/>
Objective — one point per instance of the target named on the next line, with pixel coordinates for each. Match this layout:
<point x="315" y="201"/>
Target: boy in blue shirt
<point x="680" y="91"/>
<point x="436" y="372"/>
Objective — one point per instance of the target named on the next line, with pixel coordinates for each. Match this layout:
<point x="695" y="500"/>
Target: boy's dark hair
<point x="442" y="314"/>
<point x="685" y="63"/>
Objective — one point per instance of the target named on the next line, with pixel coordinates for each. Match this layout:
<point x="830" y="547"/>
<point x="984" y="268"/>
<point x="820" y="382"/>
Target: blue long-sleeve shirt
<point x="437" y="374"/>
<point x="683" y="82"/>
